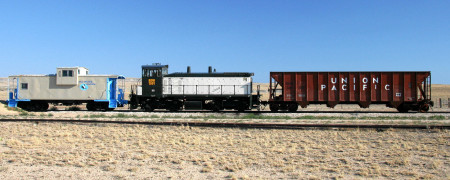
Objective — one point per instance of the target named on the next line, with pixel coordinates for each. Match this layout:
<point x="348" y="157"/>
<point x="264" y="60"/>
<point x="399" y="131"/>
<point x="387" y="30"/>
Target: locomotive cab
<point x="152" y="79"/>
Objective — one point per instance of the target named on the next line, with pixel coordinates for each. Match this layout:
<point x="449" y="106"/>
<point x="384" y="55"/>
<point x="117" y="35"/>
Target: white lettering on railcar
<point x="86" y="82"/>
<point x="344" y="84"/>
<point x="335" y="80"/>
<point x="365" y="80"/>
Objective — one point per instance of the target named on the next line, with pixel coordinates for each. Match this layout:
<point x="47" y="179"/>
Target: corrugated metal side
<point x="207" y="85"/>
<point x="45" y="88"/>
<point x="363" y="88"/>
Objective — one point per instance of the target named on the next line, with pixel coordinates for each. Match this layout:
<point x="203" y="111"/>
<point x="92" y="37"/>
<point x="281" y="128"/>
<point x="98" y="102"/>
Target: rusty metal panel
<point x="350" y="87"/>
<point x="289" y="86"/>
<point x="311" y="86"/>
<point x="322" y="92"/>
<point x="301" y="83"/>
<point x="333" y="87"/>
<point x="386" y="86"/>
<point x="343" y="87"/>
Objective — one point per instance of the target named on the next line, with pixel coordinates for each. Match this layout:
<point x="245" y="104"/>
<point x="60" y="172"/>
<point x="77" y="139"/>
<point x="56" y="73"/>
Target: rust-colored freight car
<point x="402" y="90"/>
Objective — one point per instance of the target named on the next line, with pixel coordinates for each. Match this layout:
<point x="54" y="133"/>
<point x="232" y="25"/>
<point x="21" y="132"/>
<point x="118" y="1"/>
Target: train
<point x="216" y="91"/>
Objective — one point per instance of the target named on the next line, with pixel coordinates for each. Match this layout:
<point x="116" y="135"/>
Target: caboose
<point x="69" y="86"/>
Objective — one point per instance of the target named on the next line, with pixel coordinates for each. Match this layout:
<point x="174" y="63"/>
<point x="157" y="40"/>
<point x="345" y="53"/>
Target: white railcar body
<point x="89" y="87"/>
<point x="207" y="86"/>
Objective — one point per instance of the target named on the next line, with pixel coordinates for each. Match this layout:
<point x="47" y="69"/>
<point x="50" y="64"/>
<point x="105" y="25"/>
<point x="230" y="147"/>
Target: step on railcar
<point x="69" y="86"/>
<point x="402" y="90"/>
<point x="192" y="91"/>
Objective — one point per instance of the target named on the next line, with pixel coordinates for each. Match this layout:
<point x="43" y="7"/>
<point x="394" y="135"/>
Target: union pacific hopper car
<point x="185" y="90"/>
<point x="404" y="90"/>
<point x="69" y="86"/>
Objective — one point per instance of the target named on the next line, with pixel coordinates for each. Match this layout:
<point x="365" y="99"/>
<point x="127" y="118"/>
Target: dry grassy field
<point x="59" y="150"/>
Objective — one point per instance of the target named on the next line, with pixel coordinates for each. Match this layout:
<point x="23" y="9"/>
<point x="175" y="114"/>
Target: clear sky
<point x="117" y="37"/>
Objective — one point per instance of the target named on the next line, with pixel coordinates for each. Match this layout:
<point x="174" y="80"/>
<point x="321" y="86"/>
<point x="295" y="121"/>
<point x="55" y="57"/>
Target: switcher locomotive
<point x="186" y="90"/>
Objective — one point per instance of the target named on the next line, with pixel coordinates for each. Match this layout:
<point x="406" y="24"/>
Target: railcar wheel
<point x="241" y="106"/>
<point x="402" y="109"/>
<point x="216" y="108"/>
<point x="274" y="107"/>
<point x="241" y="109"/>
<point x="148" y="108"/>
<point x="173" y="109"/>
<point x="174" y="106"/>
<point x="133" y="106"/>
<point x="90" y="106"/>
<point x="43" y="106"/>
<point x="292" y="107"/>
<point x="37" y="106"/>
<point x="424" y="108"/>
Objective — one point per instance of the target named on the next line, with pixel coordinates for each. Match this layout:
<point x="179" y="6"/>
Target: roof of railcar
<point x="348" y="71"/>
<point x="214" y="74"/>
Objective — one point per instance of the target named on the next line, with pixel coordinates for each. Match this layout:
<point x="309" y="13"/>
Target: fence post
<point x="448" y="102"/>
<point x="440" y="102"/>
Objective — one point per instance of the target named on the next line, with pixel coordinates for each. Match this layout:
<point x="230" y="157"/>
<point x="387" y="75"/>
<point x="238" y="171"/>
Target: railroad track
<point x="296" y="112"/>
<point x="237" y="125"/>
<point x="267" y="112"/>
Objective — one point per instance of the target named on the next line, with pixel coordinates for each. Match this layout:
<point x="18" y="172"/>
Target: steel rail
<point x="263" y="112"/>
<point x="239" y="125"/>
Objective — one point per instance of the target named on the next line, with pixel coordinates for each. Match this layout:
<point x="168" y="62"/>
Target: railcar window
<point x="151" y="73"/>
<point x="24" y="85"/>
<point x="67" y="73"/>
<point x="157" y="73"/>
<point x="146" y="72"/>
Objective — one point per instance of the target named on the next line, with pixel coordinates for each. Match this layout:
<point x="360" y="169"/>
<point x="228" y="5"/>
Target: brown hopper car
<point x="402" y="90"/>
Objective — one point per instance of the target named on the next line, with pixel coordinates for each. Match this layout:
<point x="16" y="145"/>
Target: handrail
<point x="170" y="89"/>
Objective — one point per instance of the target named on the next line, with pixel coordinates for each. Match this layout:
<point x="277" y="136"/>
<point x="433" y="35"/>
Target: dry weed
<point x="312" y="154"/>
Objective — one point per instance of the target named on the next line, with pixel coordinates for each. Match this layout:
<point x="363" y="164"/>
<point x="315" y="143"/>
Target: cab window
<point x="151" y="73"/>
<point x="67" y="73"/>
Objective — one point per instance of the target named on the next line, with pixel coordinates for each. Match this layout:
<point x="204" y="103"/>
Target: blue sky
<point x="117" y="37"/>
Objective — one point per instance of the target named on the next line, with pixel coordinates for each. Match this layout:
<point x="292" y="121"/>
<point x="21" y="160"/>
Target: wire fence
<point x="441" y="103"/>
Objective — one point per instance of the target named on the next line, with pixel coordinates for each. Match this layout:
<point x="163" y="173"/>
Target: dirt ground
<point x="62" y="150"/>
